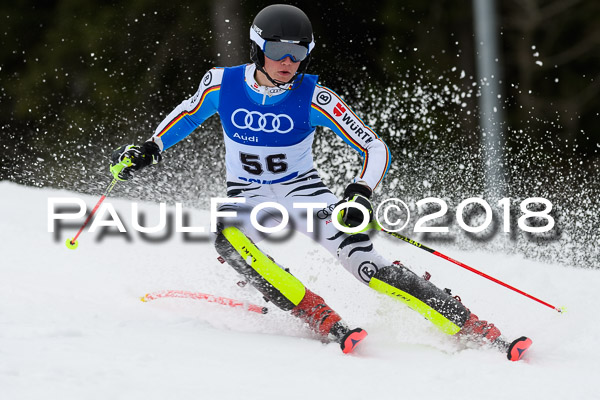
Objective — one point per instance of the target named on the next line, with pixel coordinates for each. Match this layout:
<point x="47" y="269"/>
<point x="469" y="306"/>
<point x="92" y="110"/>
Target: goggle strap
<point x="254" y="36"/>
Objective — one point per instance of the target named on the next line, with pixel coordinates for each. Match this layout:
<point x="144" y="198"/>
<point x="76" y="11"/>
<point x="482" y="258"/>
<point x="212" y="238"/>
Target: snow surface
<point x="72" y="325"/>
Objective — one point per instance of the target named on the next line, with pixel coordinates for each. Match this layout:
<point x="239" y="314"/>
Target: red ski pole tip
<point x="72" y="244"/>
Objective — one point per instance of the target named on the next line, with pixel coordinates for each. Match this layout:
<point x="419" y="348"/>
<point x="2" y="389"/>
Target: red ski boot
<point x="483" y="332"/>
<point x="326" y="322"/>
<point x="479" y="330"/>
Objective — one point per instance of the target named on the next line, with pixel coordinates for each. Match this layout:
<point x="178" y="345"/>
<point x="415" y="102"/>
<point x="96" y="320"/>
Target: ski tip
<point x="518" y="347"/>
<point x="352" y="339"/>
<point x="72" y="244"/>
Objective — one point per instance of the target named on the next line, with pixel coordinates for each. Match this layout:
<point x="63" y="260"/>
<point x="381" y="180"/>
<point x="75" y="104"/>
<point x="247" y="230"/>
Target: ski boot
<point x="479" y="330"/>
<point x="327" y="323"/>
<point x="482" y="332"/>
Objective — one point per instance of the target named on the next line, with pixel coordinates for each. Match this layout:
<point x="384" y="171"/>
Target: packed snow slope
<point x="72" y="325"/>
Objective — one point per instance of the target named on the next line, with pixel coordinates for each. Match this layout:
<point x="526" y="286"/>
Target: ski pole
<point x="375" y="225"/>
<point x="72" y="243"/>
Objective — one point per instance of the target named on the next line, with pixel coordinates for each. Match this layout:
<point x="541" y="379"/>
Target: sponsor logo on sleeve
<point x="207" y="79"/>
<point x="357" y="128"/>
<point x="323" y="98"/>
<point x="352" y="123"/>
<point x="195" y="98"/>
<point x="339" y="110"/>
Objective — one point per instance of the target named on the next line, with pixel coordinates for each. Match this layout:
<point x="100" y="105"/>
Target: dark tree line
<point x="80" y="77"/>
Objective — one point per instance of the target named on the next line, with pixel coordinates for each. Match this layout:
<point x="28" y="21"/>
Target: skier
<point x="269" y="110"/>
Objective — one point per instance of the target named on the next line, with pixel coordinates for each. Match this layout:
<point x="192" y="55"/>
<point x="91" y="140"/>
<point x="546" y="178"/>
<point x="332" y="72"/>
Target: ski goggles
<point x="279" y="50"/>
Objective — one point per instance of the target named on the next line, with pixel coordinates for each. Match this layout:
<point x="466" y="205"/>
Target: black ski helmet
<point x="280" y="22"/>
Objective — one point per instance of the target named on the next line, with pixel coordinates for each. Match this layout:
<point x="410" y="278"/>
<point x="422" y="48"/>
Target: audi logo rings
<point x="268" y="122"/>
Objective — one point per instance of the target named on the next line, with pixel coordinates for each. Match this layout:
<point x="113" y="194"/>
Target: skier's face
<point x="282" y="70"/>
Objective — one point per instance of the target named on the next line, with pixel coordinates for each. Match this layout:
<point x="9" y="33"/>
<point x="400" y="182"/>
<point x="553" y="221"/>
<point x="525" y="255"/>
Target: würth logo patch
<point x="339" y="110"/>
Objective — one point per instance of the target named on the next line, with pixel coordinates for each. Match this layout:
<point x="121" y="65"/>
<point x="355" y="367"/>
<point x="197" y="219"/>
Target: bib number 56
<point x="253" y="164"/>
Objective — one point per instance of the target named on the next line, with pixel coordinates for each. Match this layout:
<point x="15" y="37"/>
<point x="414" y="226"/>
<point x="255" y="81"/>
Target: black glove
<point x="359" y="193"/>
<point x="129" y="158"/>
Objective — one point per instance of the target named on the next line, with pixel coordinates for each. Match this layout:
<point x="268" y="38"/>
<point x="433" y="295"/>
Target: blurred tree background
<point x="78" y="79"/>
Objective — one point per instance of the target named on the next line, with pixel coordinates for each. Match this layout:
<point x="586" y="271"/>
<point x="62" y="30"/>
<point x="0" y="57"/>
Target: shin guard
<point x="276" y="284"/>
<point x="443" y="310"/>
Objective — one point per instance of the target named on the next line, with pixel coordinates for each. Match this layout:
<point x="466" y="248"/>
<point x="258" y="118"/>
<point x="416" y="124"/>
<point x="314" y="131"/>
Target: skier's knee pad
<point x="443" y="310"/>
<point x="275" y="283"/>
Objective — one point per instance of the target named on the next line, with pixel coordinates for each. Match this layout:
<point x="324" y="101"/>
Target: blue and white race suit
<point x="268" y="134"/>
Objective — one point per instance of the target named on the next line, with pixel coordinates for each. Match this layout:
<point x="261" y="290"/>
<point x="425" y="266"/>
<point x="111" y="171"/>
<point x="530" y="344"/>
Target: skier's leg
<point x="354" y="252"/>
<point x="357" y="254"/>
<point x="439" y="307"/>
<point x="282" y="288"/>
<point x="276" y="284"/>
